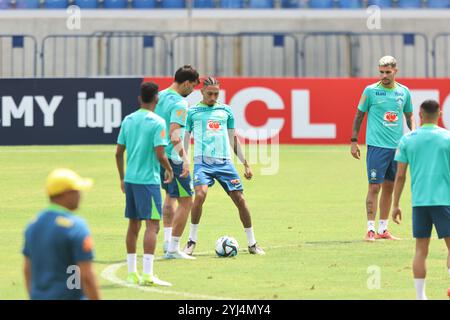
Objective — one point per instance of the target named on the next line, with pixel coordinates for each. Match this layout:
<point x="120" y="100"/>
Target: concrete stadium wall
<point x="41" y="23"/>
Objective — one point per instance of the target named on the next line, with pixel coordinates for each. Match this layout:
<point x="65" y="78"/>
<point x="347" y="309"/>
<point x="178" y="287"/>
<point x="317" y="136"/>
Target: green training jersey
<point x="385" y="108"/>
<point x="427" y="151"/>
<point x="210" y="125"/>
<point x="172" y="107"/>
<point x="140" y="133"/>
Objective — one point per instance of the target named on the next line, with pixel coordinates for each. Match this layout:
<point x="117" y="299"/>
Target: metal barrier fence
<point x="281" y="54"/>
<point x="18" y="56"/>
<point x="349" y="54"/>
<point x="103" y="54"/>
<point x="441" y="55"/>
<point x="239" y="54"/>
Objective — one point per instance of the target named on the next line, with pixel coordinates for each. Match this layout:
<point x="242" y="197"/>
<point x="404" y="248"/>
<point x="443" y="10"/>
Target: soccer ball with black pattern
<point x="227" y="247"/>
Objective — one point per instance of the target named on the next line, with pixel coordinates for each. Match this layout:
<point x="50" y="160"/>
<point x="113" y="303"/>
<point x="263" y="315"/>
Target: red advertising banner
<point x="308" y="110"/>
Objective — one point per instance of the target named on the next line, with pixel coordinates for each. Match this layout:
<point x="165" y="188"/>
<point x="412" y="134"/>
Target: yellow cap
<point x="62" y="180"/>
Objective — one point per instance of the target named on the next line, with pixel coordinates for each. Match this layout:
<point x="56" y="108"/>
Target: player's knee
<point x="374" y="188"/>
<point x="422" y="253"/>
<point x="200" y="196"/>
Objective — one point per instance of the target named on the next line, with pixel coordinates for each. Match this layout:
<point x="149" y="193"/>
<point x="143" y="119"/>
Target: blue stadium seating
<point x="231" y="4"/>
<point x="86" y="4"/>
<point x="290" y="3"/>
<point x="350" y="4"/>
<point x="438" y="3"/>
<point x="409" y="3"/>
<point x="261" y="4"/>
<point x="27" y="4"/>
<point x="4" y="4"/>
<point x="321" y="4"/>
<point x="203" y="4"/>
<point x="115" y="4"/>
<point x="381" y="3"/>
<point x="56" y="4"/>
<point x="173" y="4"/>
<point x="144" y="4"/>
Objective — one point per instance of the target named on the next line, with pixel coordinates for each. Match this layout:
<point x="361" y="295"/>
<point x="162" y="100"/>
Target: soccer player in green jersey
<point x="212" y="126"/>
<point x="385" y="102"/>
<point x="143" y="136"/>
<point x="172" y="107"/>
<point x="427" y="152"/>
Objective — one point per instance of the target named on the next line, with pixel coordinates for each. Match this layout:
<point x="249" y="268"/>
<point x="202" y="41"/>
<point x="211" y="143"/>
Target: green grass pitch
<point x="309" y="216"/>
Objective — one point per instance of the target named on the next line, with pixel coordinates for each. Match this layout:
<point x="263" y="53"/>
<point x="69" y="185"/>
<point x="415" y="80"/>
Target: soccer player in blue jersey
<point x="212" y="126"/>
<point x="143" y="136"/>
<point x="427" y="152"/>
<point x="172" y="107"/>
<point x="385" y="103"/>
<point x="58" y="246"/>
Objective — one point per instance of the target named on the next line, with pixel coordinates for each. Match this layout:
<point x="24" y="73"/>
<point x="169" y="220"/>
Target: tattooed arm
<point x="359" y="117"/>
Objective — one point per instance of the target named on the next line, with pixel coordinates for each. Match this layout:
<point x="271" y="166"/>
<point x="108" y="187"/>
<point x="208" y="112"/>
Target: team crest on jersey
<point x="214" y="125"/>
<point x="235" y="181"/>
<point x="391" y="116"/>
<point x="373" y="174"/>
<point x="399" y="101"/>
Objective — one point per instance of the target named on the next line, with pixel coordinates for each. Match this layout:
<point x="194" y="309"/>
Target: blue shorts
<point x="179" y="187"/>
<point x="380" y="164"/>
<point x="143" y="201"/>
<point x="223" y="170"/>
<point x="425" y="217"/>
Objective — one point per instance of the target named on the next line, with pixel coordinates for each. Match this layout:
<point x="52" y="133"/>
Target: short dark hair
<point x="186" y="72"/>
<point x="430" y="107"/>
<point x="149" y="90"/>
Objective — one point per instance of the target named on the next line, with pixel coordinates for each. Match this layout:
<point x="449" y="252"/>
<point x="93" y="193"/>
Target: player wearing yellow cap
<point x="58" y="245"/>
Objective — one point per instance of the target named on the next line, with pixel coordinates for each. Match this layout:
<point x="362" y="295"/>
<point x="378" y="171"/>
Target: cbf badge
<point x="373" y="174"/>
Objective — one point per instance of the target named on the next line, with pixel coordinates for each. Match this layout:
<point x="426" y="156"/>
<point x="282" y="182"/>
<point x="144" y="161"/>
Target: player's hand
<point x="397" y="215"/>
<point x="248" y="174"/>
<point x="356" y="153"/>
<point x="122" y="186"/>
<point x="168" y="176"/>
<point x="185" y="171"/>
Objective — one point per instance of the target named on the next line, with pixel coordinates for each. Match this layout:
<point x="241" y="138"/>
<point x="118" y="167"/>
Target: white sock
<point x="449" y="271"/>
<point x="131" y="260"/>
<point x="174" y="244"/>
<point x="420" y="289"/>
<point x="167" y="233"/>
<point x="382" y="226"/>
<point x="193" y="232"/>
<point x="148" y="263"/>
<point x="371" y="225"/>
<point x="250" y="236"/>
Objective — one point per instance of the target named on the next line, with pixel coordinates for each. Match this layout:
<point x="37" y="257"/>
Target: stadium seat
<point x="232" y="4"/>
<point x="380" y="3"/>
<point x="203" y="4"/>
<point x="27" y="4"/>
<point x="261" y="4"/>
<point x="115" y="4"/>
<point x="350" y="4"/>
<point x="4" y="4"/>
<point x="173" y="4"/>
<point x="56" y="4"/>
<point x="290" y="3"/>
<point x="409" y="3"/>
<point x="86" y="4"/>
<point x="438" y="3"/>
<point x="321" y="4"/>
<point x="143" y="4"/>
